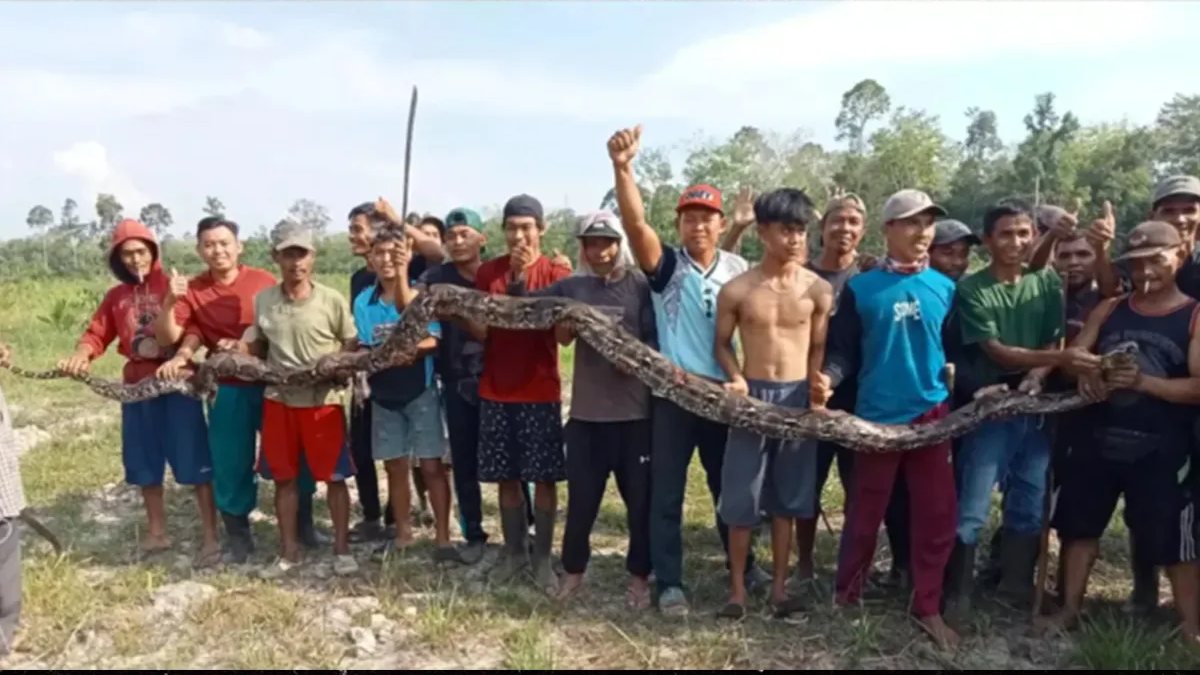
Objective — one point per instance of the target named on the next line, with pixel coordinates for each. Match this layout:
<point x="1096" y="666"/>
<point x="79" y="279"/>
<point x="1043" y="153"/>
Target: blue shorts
<point x="167" y="429"/>
<point x="774" y="476"/>
<point x="413" y="432"/>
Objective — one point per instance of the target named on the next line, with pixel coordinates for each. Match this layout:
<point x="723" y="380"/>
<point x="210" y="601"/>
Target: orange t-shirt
<point x="213" y="311"/>
<point x="519" y="366"/>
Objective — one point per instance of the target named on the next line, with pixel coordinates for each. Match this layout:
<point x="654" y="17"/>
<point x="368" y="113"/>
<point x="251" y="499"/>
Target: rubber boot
<point x="543" y="540"/>
<point x="960" y="582"/>
<point x="514" y="558"/>
<point x="1018" y="563"/>
<point x="239" y="543"/>
<point x="989" y="576"/>
<point x="1144" y="598"/>
<point x="305" y="529"/>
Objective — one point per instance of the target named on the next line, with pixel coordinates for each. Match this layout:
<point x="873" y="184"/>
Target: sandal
<point x="788" y="607"/>
<point x="637" y="599"/>
<point x="732" y="610"/>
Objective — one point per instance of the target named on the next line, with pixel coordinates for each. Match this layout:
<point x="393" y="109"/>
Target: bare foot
<point x="637" y="594"/>
<point x="292" y="556"/>
<point x="208" y="555"/>
<point x="155" y="543"/>
<point x="569" y="586"/>
<point x="942" y="634"/>
<point x="1058" y="622"/>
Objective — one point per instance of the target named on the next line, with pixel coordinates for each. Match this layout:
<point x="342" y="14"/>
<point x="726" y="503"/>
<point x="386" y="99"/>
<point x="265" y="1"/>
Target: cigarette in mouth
<point x="1146" y="287"/>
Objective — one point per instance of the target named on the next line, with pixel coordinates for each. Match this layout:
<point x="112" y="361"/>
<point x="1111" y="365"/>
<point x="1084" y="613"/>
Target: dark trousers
<point x="595" y="450"/>
<point x="826" y="452"/>
<point x="898" y="526"/>
<point x="365" y="477"/>
<point x="10" y="582"/>
<point x="676" y="433"/>
<point x="462" y="422"/>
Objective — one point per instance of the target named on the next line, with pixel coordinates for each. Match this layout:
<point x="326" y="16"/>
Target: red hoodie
<point x="129" y="309"/>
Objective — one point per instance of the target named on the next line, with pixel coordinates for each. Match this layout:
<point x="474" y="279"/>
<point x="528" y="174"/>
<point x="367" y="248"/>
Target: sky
<point x="263" y="103"/>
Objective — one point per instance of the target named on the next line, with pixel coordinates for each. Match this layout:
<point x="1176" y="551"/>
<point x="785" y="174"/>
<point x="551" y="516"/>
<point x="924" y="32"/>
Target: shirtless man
<point x="781" y="310"/>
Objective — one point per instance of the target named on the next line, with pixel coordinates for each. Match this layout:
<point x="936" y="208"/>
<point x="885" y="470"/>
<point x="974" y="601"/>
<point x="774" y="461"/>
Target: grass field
<point x="98" y="606"/>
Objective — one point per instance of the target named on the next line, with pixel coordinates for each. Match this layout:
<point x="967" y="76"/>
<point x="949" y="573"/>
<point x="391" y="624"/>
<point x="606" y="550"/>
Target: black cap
<point x="523" y="205"/>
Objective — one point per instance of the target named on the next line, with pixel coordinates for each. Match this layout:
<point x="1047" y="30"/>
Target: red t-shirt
<point x="519" y="366"/>
<point x="213" y="311"/>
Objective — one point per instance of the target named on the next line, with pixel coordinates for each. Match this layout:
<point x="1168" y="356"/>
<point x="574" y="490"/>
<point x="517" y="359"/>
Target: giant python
<point x="617" y="345"/>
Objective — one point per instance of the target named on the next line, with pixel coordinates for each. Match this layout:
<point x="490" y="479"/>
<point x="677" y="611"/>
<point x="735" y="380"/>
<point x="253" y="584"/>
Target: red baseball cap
<point x="702" y="195"/>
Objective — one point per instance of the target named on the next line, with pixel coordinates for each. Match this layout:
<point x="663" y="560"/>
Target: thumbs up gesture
<point x="178" y="288"/>
<point x="623" y="146"/>
<point x="1103" y="229"/>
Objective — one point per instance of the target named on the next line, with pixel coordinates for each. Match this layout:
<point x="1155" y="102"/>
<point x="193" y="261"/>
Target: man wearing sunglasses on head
<point x="684" y="283"/>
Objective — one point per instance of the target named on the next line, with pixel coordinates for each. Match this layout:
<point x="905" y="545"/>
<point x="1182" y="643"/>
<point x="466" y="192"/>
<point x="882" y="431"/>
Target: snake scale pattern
<point x="618" y="346"/>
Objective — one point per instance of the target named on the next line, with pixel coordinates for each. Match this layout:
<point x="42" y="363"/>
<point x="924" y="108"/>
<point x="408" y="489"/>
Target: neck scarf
<point x="890" y="264"/>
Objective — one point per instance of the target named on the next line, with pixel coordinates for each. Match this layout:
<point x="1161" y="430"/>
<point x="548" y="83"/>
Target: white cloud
<point x="243" y="37"/>
<point x="88" y="162"/>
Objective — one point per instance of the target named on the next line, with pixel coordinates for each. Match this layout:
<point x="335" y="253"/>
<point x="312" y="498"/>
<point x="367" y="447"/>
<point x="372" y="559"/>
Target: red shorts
<point x="316" y="434"/>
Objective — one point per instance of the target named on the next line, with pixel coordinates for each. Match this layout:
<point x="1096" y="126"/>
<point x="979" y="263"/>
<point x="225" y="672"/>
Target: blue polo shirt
<point x="887" y="333"/>
<point x="375" y="319"/>
<point x="684" y="295"/>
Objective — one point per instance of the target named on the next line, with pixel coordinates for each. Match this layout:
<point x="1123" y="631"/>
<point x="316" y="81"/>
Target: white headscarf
<point x="624" y="255"/>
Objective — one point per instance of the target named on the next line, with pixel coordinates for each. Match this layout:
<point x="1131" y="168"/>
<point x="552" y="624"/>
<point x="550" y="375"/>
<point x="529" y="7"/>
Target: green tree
<point x="311" y="214"/>
<point x="1038" y="164"/>
<point x="213" y="207"/>
<point x="41" y="220"/>
<point x="108" y="214"/>
<point x="977" y="181"/>
<point x="1115" y="162"/>
<point x="1179" y="131"/>
<point x="156" y="217"/>
<point x="861" y="104"/>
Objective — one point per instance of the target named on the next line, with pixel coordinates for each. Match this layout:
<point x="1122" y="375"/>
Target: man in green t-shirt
<point x="1012" y="322"/>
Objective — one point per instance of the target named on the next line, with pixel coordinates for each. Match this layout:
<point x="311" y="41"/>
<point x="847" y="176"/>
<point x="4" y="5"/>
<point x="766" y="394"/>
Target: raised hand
<point x="623" y="146"/>
<point x="561" y="260"/>
<point x="179" y="286"/>
<point x="521" y="257"/>
<point x="385" y="210"/>
<point x="1068" y="221"/>
<point x="1103" y="229"/>
<point x="743" y="207"/>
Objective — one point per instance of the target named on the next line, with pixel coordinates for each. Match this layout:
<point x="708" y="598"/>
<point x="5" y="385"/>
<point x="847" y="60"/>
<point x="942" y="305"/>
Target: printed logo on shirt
<point x="907" y="310"/>
<point x="381" y="332"/>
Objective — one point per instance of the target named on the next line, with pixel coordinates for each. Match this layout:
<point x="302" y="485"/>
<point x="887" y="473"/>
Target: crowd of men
<point x="901" y="338"/>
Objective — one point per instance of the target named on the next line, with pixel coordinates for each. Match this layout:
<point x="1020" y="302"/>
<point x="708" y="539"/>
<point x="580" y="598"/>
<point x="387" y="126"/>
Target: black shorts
<point x="521" y="441"/>
<point x="1159" y="500"/>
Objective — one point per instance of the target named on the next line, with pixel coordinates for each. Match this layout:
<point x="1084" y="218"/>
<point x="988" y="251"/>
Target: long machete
<point x="412" y="114"/>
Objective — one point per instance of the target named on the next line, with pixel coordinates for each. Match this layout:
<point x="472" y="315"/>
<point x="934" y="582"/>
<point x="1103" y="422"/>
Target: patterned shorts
<point x="521" y="441"/>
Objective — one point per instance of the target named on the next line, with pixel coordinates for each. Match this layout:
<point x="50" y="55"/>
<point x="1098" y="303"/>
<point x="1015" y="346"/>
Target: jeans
<point x="1016" y="450"/>
<point x="462" y="422"/>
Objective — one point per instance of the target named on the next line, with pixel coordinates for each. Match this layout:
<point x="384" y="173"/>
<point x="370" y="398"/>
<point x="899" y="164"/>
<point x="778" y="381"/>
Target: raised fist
<point x="623" y="146"/>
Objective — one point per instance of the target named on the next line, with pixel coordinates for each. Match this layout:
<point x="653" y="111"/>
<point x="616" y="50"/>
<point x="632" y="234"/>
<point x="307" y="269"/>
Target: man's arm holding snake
<point x="844" y="340"/>
<point x="1181" y="390"/>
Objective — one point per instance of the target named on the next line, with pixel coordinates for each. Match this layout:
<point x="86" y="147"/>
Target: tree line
<point x="883" y="149"/>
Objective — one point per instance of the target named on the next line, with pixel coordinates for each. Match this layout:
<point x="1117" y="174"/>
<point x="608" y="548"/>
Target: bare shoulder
<point x="736" y="288"/>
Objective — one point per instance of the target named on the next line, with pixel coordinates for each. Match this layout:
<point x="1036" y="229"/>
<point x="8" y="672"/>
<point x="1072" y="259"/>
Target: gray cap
<point x="1151" y="238"/>
<point x="949" y="231"/>
<point x="289" y="233"/>
<point x="1177" y="185"/>
<point x="906" y="203"/>
<point x="600" y="224"/>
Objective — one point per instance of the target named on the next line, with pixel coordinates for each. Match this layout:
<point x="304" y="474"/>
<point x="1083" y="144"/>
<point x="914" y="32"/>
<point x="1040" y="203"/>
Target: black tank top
<point x="1162" y="342"/>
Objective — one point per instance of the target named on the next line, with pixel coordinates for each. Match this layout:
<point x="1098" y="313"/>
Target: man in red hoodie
<point x="127" y="314"/>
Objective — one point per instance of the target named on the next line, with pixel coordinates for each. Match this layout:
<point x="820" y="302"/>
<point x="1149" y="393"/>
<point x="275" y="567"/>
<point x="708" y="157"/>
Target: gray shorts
<point x="413" y="432"/>
<point x="768" y="475"/>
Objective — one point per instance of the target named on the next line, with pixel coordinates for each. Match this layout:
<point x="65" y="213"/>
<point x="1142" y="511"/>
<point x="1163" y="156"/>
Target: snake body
<point x="628" y="354"/>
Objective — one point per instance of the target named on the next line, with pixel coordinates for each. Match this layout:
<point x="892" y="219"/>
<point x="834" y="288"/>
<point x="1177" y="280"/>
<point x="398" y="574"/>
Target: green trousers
<point x="234" y="421"/>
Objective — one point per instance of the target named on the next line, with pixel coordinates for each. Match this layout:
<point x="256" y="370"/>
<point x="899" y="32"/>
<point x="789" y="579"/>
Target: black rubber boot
<point x="989" y="576"/>
<point x="1144" y="598"/>
<point x="239" y="543"/>
<point x="514" y="558"/>
<point x="960" y="582"/>
<point x="543" y="542"/>
<point x="305" y="529"/>
<point x="1018" y="563"/>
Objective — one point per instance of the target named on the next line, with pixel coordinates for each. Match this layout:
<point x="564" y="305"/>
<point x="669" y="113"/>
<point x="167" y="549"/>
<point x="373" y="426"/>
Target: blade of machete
<point x="412" y="114"/>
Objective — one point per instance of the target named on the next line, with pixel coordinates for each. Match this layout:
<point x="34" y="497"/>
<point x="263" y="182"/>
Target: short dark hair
<point x="435" y="221"/>
<point x="1005" y="208"/>
<point x="788" y="206"/>
<point x="213" y="222"/>
<point x="386" y="236"/>
<point x="364" y="209"/>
